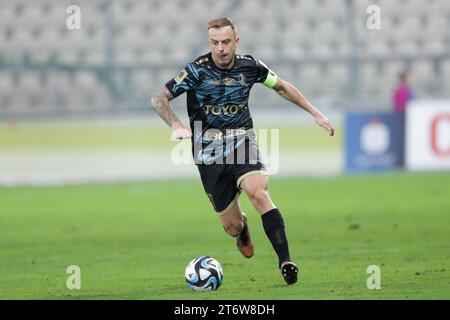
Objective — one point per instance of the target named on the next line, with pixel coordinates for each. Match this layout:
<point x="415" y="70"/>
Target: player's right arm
<point x="161" y="102"/>
<point x="186" y="80"/>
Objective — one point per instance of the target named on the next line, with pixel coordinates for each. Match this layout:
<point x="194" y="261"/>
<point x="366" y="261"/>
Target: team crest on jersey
<point x="241" y="79"/>
<point x="180" y="77"/>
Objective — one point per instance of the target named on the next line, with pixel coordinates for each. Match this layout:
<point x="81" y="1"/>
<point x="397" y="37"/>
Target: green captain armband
<point x="271" y="79"/>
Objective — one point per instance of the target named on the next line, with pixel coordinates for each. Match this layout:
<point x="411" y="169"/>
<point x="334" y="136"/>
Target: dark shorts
<point x="221" y="179"/>
<point x="222" y="182"/>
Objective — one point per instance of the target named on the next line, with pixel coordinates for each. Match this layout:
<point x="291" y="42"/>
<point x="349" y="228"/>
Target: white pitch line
<point x="88" y="166"/>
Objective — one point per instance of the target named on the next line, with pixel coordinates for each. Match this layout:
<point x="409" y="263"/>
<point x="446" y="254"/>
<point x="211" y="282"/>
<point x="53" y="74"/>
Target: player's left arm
<point x="292" y="94"/>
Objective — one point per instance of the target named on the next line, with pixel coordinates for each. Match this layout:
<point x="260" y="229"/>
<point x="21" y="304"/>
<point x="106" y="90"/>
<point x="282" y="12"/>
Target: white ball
<point x="204" y="274"/>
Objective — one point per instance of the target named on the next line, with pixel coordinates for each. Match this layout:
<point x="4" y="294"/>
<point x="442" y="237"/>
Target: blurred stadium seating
<point x="126" y="49"/>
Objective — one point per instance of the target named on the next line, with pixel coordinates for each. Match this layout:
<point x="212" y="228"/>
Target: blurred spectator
<point x="402" y="93"/>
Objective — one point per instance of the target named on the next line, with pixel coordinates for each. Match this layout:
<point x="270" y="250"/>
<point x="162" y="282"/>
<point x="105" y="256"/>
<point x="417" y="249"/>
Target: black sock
<point x="274" y="227"/>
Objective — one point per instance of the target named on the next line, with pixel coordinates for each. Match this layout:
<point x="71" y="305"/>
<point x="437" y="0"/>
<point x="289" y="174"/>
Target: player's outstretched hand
<point x="322" y="121"/>
<point x="181" y="133"/>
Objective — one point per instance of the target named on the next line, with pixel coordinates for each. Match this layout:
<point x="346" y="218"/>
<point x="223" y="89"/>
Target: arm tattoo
<point x="161" y="102"/>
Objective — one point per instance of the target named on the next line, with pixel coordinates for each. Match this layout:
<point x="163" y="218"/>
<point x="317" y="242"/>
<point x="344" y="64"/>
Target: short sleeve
<point x="186" y="80"/>
<point x="265" y="75"/>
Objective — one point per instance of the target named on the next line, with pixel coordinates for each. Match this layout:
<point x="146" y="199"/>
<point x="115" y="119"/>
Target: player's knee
<point x="260" y="197"/>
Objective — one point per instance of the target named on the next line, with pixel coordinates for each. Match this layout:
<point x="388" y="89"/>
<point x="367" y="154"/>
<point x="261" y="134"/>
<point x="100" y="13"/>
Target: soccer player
<point x="223" y="140"/>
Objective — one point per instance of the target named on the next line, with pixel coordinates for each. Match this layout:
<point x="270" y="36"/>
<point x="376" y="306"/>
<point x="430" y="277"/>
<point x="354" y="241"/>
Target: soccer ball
<point x="204" y="274"/>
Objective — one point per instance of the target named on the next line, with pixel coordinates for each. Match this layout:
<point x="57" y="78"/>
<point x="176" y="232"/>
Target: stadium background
<point x="74" y="104"/>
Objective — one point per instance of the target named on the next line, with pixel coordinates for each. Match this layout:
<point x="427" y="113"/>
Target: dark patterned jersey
<point x="217" y="99"/>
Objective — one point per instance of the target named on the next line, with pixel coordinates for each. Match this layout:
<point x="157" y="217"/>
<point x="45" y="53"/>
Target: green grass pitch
<point x="62" y="136"/>
<point x="133" y="240"/>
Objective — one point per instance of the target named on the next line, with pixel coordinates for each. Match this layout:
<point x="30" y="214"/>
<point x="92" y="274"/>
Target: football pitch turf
<point x="134" y="240"/>
<point x="88" y="136"/>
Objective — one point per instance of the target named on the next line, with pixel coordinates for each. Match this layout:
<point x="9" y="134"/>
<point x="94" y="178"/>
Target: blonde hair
<point x="220" y="23"/>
